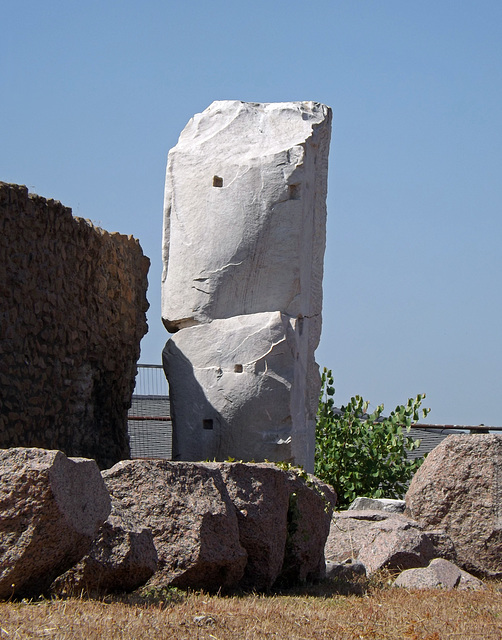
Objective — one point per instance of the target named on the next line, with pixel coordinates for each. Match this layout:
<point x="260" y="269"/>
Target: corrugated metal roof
<point x="150" y="428"/>
<point x="429" y="438"/>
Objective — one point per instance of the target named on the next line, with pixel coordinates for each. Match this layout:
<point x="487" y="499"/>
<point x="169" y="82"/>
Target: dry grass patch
<point x="382" y="614"/>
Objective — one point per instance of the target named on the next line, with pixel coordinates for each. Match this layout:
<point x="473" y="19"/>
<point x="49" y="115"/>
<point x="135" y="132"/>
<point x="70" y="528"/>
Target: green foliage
<point x="361" y="455"/>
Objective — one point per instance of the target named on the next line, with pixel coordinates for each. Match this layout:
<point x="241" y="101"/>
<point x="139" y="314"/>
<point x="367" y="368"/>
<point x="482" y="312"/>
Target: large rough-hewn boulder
<point x="440" y="574"/>
<point x="51" y="508"/>
<point x="380" y="540"/>
<point x="192" y="519"/>
<point x="223" y="525"/>
<point x="459" y="489"/>
<point x="246" y="186"/>
<point x="122" y="558"/>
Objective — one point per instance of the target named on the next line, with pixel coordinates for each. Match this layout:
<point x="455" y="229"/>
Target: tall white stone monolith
<point x="243" y="248"/>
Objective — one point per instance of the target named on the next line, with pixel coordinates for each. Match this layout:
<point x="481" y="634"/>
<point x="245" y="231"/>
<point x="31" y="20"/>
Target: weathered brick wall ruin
<point x="72" y="314"/>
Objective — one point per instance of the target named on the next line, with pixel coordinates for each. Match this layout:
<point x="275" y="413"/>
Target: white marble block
<point x="239" y="389"/>
<point x="244" y="235"/>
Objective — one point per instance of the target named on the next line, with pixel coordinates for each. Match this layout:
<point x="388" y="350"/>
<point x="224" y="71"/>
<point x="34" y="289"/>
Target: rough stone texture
<point x="51" y="508"/>
<point x="397" y="546"/>
<point x="191" y="517"/>
<point x="309" y="518"/>
<point x="468" y="582"/>
<point x="385" y="504"/>
<point x="384" y="540"/>
<point x="283" y="522"/>
<point x="350" y="531"/>
<point x="459" y="489"/>
<point x="223" y="525"/>
<point x="246" y="187"/>
<point x="442" y="543"/>
<point x="440" y="574"/>
<point x="72" y="314"/>
<point x="122" y="558"/>
<point x="260" y="494"/>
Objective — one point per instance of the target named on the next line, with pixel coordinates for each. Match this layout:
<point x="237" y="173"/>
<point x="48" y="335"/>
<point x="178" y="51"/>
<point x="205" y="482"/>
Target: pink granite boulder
<point x="51" y="508"/>
<point x="459" y="489"/>
<point x="193" y="522"/>
<point x="226" y="525"/>
<point x="283" y="518"/>
<point x="260" y="494"/>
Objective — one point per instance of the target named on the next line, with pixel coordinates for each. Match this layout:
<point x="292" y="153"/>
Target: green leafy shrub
<point x="364" y="455"/>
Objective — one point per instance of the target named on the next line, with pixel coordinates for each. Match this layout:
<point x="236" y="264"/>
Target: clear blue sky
<point x="94" y="94"/>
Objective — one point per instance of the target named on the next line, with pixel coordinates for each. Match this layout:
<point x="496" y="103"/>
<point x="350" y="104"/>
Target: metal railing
<point x="480" y="428"/>
<point x="150" y="380"/>
<point x="149" y="418"/>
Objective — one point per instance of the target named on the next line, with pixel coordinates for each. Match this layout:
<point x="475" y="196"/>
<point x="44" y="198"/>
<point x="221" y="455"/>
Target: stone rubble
<point x="192" y="519"/>
<point x="382" y="540"/>
<point x="205" y="526"/>
<point x="385" y="504"/>
<point x="226" y="525"/>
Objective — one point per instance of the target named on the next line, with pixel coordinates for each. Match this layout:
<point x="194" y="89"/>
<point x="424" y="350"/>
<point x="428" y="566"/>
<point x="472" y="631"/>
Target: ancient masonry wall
<point x="72" y="314"/>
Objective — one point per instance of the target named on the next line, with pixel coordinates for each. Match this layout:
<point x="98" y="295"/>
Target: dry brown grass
<point x="382" y="614"/>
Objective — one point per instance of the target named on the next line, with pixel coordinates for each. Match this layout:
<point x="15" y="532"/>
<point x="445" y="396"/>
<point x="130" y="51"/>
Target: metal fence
<point x="149" y="419"/>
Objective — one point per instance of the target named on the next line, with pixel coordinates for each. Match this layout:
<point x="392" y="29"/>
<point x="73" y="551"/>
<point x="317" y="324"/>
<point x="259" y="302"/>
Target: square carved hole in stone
<point x="238" y="368"/>
<point x="207" y="423"/>
<point x="294" y="191"/>
<point x="217" y="181"/>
